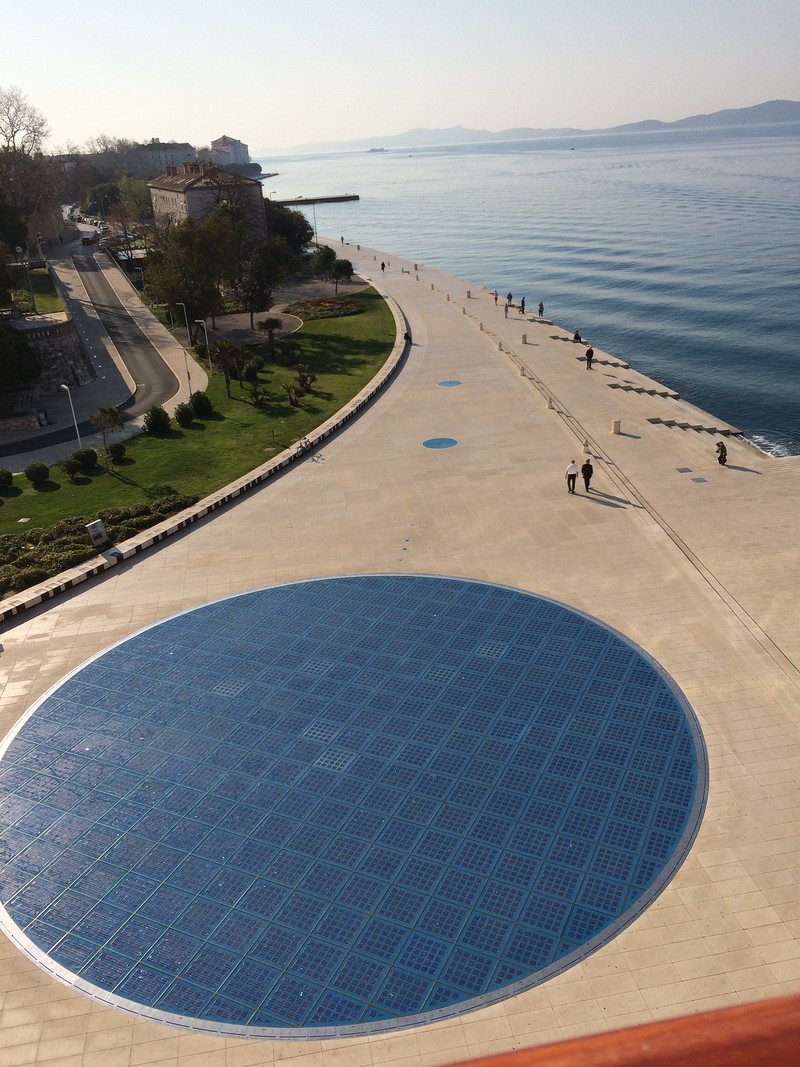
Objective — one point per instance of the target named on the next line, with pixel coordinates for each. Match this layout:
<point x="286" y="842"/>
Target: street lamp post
<point x="188" y="343"/>
<point x="68" y="391"/>
<point x="202" y="322"/>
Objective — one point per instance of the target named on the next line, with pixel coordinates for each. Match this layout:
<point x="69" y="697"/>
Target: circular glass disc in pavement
<point x="440" y="442"/>
<point x="344" y="805"/>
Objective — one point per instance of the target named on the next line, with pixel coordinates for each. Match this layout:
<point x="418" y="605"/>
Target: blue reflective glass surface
<point x="345" y="803"/>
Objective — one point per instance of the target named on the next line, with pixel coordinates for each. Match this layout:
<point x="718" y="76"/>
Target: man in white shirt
<point x="571" y="474"/>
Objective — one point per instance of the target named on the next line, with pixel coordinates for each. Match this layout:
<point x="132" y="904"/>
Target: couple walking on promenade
<point x="571" y="473"/>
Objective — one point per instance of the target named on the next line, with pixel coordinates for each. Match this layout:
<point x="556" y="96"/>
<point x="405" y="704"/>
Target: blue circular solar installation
<point x="344" y="805"/>
<point x="450" y="383"/>
<point x="440" y="442"/>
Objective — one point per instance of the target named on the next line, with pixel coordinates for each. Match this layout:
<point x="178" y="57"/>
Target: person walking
<point x="587" y="470"/>
<point x="571" y="473"/>
<point x="541" y="310"/>
<point x="589" y="358"/>
<point x="495" y="296"/>
<point x="383" y="266"/>
<point x="722" y="453"/>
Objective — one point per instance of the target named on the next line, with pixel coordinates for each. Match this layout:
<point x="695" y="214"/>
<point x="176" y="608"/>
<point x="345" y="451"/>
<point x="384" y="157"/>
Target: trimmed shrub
<point x="37" y="473"/>
<point x="87" y="457"/>
<point x="24" y="579"/>
<point x="117" y="451"/>
<point x="156" y="421"/>
<point x="202" y="404"/>
<point x="168" y="505"/>
<point x="6" y="479"/>
<point x="184" y="415"/>
<point x="70" y="467"/>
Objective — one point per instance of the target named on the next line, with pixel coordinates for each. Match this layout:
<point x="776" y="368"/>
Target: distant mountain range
<point x="761" y="114"/>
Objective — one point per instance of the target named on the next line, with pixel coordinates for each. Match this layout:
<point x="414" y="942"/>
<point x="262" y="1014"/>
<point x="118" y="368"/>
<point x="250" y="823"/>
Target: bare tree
<point x="23" y="129"/>
<point x="31" y="181"/>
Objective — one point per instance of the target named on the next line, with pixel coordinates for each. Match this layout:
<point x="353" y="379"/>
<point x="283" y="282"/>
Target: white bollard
<point x="524" y="338"/>
<point x="469" y="295"/>
<point x="616" y="426"/>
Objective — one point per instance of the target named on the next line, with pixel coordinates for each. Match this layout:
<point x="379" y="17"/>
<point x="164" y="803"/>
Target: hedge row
<point x="31" y="557"/>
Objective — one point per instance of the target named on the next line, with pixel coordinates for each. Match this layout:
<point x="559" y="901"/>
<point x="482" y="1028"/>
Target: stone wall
<point x="63" y="360"/>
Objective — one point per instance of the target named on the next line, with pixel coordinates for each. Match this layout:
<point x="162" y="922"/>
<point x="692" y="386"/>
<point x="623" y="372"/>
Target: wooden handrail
<point x="762" y="1034"/>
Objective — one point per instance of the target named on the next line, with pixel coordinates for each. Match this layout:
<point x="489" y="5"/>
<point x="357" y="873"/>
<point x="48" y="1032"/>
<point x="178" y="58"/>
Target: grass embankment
<point x="47" y="299"/>
<point x="344" y="353"/>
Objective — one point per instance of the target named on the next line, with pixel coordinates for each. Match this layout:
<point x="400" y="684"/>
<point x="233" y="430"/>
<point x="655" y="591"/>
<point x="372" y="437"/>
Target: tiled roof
<point x="198" y="175"/>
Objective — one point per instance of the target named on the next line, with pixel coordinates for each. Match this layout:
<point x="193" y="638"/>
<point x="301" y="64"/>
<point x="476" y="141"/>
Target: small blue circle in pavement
<point x="451" y="382"/>
<point x="440" y="442"/>
<point x="344" y="805"/>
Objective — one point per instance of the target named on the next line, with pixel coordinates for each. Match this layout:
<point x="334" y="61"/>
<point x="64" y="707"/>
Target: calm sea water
<point x="679" y="251"/>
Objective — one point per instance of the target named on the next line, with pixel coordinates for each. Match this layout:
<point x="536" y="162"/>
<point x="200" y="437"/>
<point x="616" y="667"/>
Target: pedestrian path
<point x="693" y="563"/>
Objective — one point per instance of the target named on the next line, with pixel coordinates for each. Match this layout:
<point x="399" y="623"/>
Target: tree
<point x="342" y="270"/>
<point x="230" y="359"/>
<point x="292" y="226"/>
<point x="19" y="364"/>
<point x="185" y="271"/>
<point x="30" y="181"/>
<point x="322" y="261"/>
<point x="23" y="129"/>
<point x="106" y="420"/>
<point x="225" y="232"/>
<point x="270" y="325"/>
<point x="134" y="197"/>
<point x="12" y="229"/>
<point x="267" y="265"/>
<point x="101" y="198"/>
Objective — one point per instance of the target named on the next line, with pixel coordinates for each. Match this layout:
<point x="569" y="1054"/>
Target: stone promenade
<point x="695" y="563"/>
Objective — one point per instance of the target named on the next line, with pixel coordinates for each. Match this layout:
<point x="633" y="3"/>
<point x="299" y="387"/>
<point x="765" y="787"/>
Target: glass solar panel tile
<point x="344" y="803"/>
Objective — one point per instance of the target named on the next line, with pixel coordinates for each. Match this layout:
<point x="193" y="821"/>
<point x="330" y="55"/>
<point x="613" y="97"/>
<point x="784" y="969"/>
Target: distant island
<point x="761" y="114"/>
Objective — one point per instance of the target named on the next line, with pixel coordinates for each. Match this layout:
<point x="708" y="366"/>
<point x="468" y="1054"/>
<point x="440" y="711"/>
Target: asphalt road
<point x="155" y="382"/>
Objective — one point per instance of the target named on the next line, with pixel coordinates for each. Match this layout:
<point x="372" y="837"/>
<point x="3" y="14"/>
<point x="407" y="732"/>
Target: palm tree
<point x="229" y="358"/>
<point x="271" y="325"/>
<point x="106" y="420"/>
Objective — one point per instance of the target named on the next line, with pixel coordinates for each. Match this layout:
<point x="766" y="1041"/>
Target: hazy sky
<point x="277" y="75"/>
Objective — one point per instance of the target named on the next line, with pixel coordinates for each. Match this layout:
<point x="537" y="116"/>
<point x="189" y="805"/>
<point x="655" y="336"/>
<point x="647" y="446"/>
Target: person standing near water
<point x="541" y="310"/>
<point x="522" y="306"/>
<point x="589" y="358"/>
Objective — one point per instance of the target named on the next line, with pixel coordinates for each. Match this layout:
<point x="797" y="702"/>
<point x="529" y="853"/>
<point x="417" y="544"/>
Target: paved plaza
<point x="690" y="566"/>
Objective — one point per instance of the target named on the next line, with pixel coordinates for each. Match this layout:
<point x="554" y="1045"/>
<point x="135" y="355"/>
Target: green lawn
<point x="344" y="353"/>
<point x="47" y="299"/>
